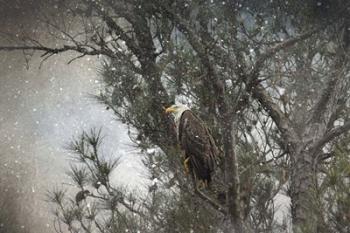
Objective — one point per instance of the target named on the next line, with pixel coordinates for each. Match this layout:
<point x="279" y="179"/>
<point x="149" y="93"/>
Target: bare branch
<point x="116" y="28"/>
<point x="65" y="48"/>
<point x="281" y="46"/>
<point x="76" y="58"/>
<point x="329" y="94"/>
<point x="338" y="131"/>
<point x="259" y="92"/>
<point x="281" y="120"/>
<point x="213" y="203"/>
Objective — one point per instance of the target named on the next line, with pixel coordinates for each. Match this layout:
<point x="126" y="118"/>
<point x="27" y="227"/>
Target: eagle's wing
<point x="198" y="144"/>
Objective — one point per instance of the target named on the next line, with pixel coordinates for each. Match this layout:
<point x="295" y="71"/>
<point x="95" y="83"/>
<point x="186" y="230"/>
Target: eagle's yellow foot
<point x="187" y="166"/>
<point x="203" y="184"/>
<point x="206" y="185"/>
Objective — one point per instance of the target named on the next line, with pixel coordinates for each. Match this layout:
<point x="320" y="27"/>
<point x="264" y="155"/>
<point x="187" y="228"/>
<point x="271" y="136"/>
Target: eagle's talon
<point x="187" y="166"/>
<point x="206" y="184"/>
<point x="203" y="184"/>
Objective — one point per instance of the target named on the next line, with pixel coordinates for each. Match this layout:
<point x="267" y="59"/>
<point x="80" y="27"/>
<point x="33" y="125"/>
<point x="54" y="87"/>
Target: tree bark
<point x="303" y="186"/>
<point x="234" y="222"/>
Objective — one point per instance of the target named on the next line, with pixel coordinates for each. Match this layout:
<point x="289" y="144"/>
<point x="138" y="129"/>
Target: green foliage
<point x="335" y="188"/>
<point x="255" y="72"/>
<point x="116" y="209"/>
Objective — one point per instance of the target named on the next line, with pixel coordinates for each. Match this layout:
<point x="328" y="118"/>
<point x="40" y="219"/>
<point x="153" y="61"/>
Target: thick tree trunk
<point x="231" y="227"/>
<point x="234" y="222"/>
<point x="302" y="190"/>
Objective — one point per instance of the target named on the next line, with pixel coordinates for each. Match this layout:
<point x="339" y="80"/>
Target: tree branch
<point x="260" y="93"/>
<point x="328" y="96"/>
<point x="274" y="111"/>
<point x="120" y="32"/>
<point x="213" y="203"/>
<point x="331" y="135"/>
<point x="273" y="50"/>
<point x="50" y="51"/>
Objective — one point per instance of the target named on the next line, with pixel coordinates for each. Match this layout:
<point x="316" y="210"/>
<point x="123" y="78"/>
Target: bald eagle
<point x="200" y="151"/>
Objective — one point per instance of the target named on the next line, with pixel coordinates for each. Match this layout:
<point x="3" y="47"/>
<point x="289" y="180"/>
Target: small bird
<point x="195" y="139"/>
<point x="81" y="195"/>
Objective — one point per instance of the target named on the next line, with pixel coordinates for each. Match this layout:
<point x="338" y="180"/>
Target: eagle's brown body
<point x="198" y="145"/>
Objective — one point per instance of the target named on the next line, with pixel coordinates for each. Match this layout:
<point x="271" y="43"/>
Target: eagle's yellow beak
<point x="169" y="110"/>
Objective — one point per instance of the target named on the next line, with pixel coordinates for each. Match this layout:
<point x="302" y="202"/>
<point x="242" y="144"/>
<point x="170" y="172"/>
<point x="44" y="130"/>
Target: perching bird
<point x="201" y="152"/>
<point x="81" y="195"/>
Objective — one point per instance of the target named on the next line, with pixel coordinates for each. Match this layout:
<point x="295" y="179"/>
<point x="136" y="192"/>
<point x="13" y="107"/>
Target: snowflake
<point x="150" y="151"/>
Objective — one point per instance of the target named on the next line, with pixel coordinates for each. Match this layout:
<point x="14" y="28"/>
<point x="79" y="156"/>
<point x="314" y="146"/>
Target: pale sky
<point x="40" y="111"/>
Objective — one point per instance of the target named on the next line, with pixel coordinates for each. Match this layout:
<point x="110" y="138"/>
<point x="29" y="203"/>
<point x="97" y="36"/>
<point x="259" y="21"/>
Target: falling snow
<point x="44" y="109"/>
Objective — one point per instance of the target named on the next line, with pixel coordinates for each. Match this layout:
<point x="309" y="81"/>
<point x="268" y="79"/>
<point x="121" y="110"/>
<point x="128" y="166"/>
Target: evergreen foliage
<point x="269" y="78"/>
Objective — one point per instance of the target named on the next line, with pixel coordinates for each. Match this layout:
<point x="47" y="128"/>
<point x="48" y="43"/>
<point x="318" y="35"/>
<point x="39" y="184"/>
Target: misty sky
<point x="41" y="110"/>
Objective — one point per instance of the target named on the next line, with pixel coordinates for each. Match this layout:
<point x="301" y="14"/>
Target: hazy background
<point x="40" y="111"/>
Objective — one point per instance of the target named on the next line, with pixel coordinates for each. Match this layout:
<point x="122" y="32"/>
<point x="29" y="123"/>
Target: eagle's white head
<point x="177" y="110"/>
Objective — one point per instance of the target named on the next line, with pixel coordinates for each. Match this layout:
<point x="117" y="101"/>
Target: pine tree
<point x="269" y="78"/>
